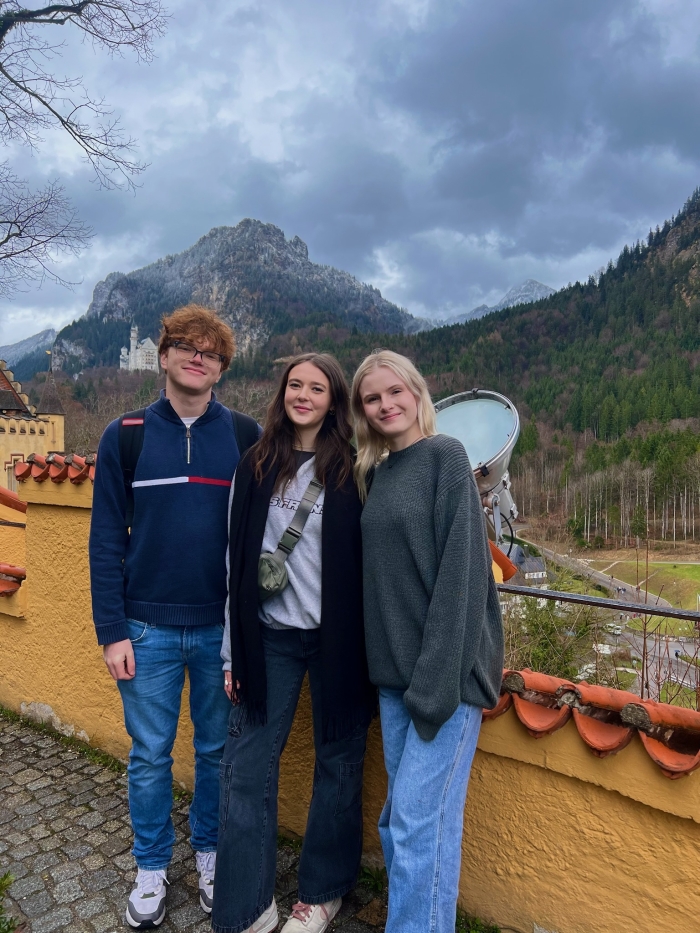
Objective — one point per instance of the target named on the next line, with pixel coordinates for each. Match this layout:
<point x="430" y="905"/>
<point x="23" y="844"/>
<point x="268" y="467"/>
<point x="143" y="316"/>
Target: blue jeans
<point x="420" y="826"/>
<point x="247" y="854"/>
<point x="151" y="711"/>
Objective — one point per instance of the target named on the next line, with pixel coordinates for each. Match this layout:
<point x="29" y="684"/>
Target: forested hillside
<point x="598" y="370"/>
<point x="603" y="355"/>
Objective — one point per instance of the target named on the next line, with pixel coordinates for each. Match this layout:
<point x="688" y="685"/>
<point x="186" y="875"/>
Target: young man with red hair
<point x="158" y="545"/>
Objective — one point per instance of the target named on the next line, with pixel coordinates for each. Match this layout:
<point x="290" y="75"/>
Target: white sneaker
<point x="146" y="905"/>
<point x="206" y="866"/>
<point x="266" y="922"/>
<point x="311" y="918"/>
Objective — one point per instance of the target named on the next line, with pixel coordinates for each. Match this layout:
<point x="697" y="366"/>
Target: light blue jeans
<point x="421" y="824"/>
<point x="151" y="711"/>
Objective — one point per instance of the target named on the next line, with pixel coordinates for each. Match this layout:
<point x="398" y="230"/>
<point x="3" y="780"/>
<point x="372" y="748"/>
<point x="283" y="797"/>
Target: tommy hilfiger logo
<point x="170" y="480"/>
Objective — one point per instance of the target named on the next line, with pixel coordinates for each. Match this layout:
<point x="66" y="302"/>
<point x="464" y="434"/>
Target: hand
<point x="119" y="658"/>
<point x="228" y="687"/>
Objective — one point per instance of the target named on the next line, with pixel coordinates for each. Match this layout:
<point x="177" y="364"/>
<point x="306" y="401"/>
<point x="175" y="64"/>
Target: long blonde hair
<point x="371" y="445"/>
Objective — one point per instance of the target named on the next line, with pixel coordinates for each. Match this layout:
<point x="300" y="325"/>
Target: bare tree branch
<point x="35" y="229"/>
<point x="34" y="99"/>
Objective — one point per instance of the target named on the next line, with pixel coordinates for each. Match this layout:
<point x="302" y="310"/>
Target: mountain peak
<point x="14" y="352"/>
<point x="257" y="280"/>
<point x="527" y="291"/>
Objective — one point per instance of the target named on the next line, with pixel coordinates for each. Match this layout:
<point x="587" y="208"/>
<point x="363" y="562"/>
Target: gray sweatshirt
<point x="432" y="615"/>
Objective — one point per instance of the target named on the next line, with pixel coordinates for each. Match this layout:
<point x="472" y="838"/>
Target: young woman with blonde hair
<point x="433" y="631"/>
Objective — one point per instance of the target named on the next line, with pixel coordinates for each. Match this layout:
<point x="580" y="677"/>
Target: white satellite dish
<point x="488" y="425"/>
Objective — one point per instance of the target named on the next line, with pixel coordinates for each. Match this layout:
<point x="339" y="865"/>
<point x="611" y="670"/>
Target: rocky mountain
<point x="13" y="352"/>
<point x="260" y="283"/>
<point x="525" y="293"/>
<point x="28" y="356"/>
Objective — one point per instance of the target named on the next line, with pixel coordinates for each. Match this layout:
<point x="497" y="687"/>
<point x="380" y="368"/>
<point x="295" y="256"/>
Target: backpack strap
<point x="246" y="430"/>
<point x="131" y="431"/>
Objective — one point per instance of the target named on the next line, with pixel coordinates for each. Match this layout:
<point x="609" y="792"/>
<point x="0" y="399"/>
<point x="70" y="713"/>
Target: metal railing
<point x="601" y="602"/>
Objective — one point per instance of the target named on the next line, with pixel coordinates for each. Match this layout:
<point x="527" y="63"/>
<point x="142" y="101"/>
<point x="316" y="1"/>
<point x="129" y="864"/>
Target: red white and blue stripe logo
<point x="172" y="480"/>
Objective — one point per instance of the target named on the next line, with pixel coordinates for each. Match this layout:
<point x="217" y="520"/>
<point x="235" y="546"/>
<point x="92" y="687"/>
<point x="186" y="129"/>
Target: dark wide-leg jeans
<point x="249" y="779"/>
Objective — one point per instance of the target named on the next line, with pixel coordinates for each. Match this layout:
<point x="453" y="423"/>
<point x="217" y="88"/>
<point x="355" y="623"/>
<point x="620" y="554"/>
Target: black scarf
<point x="348" y="700"/>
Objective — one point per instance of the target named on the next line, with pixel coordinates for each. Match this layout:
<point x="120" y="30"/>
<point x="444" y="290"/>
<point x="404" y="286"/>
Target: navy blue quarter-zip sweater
<point x="171" y="569"/>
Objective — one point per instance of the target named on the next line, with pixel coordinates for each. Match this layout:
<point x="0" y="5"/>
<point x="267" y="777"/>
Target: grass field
<point x="678" y="583"/>
<point x="679" y="696"/>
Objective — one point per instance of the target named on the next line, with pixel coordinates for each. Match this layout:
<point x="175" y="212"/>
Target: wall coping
<point x="63" y="494"/>
<point x="631" y="772"/>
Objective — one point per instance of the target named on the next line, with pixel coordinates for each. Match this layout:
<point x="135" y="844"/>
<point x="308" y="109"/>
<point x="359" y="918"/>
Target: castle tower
<point x="133" y="355"/>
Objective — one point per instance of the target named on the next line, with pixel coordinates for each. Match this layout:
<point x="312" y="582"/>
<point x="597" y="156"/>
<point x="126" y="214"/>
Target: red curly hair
<point x="198" y="325"/>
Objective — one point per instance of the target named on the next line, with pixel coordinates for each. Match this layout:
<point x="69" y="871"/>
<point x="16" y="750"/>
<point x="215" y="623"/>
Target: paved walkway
<point x="65" y="837"/>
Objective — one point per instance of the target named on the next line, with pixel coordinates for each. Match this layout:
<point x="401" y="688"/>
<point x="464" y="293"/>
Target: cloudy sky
<point x="443" y="150"/>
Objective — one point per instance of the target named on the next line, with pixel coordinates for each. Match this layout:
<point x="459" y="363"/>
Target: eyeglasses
<point x="187" y="352"/>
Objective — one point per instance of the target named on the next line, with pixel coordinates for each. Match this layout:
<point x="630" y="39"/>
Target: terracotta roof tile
<point x="606" y="719"/>
<point x="647" y="713"/>
<point x="602" y="736"/>
<point x="79" y="468"/>
<point x="40" y="468"/>
<point x="536" y="701"/>
<point x="540" y="720"/>
<point x="11" y="578"/>
<point x="12" y="500"/>
<point x="57" y="468"/>
<point x="673" y="764"/>
<point x="23" y="470"/>
<point x="505" y="701"/>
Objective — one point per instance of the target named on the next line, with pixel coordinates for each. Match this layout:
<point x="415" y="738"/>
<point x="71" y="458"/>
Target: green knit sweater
<point x="432" y="616"/>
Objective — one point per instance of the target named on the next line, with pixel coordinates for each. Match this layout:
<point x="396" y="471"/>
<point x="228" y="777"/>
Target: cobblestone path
<point x="65" y="837"/>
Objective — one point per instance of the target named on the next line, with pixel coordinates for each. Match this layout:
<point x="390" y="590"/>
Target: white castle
<point x="142" y="355"/>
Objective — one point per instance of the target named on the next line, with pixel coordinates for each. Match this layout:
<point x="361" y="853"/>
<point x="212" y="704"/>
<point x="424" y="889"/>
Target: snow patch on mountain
<point x="528" y="291"/>
<point x="13" y="352"/>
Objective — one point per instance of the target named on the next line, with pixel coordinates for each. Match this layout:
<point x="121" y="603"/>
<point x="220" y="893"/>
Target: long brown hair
<point x="333" y="451"/>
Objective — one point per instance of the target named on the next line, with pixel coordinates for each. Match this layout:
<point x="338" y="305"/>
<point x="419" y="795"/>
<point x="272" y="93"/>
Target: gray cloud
<point x="442" y="150"/>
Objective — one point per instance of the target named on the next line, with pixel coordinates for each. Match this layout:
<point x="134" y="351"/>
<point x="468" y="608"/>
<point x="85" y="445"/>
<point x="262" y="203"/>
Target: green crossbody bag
<point x="272" y="570"/>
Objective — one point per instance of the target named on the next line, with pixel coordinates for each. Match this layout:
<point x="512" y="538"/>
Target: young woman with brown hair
<point x="315" y="625"/>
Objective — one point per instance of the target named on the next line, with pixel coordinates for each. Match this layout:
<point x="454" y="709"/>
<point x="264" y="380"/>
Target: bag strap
<point x="246" y="430"/>
<point x="292" y="533"/>
<point x="131" y="431"/>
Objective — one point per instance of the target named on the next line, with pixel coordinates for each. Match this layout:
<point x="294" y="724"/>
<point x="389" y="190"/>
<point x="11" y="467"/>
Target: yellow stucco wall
<point x="51" y="657"/>
<point x="553" y="835"/>
<point x="12" y="548"/>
